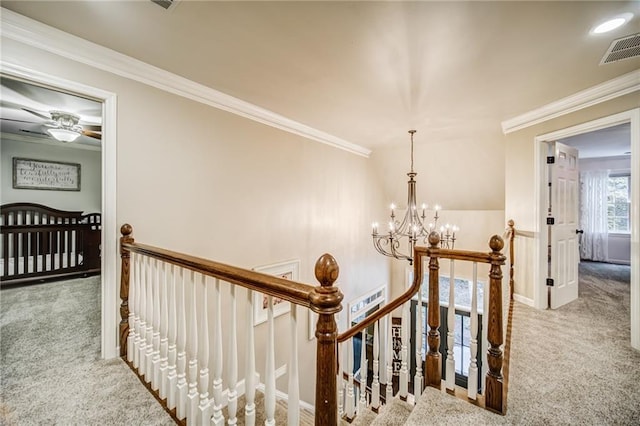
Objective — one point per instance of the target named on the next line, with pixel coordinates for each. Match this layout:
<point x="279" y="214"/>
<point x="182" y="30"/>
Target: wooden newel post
<point x="326" y="302"/>
<point x="512" y="236"/>
<point x="125" y="255"/>
<point x="493" y="383"/>
<point x="433" y="363"/>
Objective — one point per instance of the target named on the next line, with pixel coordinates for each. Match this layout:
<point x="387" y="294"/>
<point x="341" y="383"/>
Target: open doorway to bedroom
<point x="51" y="216"/>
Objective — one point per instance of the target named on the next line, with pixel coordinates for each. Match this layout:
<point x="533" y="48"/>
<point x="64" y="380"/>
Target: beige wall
<point x="88" y="199"/>
<point x="202" y="181"/>
<point x="519" y="168"/>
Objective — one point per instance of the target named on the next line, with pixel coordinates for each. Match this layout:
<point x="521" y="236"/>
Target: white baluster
<point x="375" y="383"/>
<point x="350" y="400"/>
<point x="148" y="361"/>
<point x="192" y="352"/>
<point x="181" y="335"/>
<point x="417" y="380"/>
<point x="472" y="384"/>
<point x="293" y="403"/>
<point x="250" y="367"/>
<point x="155" y="378"/>
<point x="451" y="320"/>
<point x="232" y="369"/>
<point x="404" y="353"/>
<point x="204" y="409"/>
<point x="270" y="368"/>
<point x="164" y="335"/>
<point x="389" y="346"/>
<point x="132" y="303"/>
<point x="363" y="373"/>
<point x="172" y="376"/>
<point x="340" y="380"/>
<point x="138" y="291"/>
<point x="218" y="418"/>
<point x="142" y="346"/>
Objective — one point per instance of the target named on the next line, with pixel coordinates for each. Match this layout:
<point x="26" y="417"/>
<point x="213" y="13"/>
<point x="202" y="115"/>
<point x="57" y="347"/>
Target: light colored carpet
<point x="570" y="366"/>
<point x="51" y="372"/>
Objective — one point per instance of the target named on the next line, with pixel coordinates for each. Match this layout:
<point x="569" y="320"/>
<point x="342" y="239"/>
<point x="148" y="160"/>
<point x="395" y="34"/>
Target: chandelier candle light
<point x="412" y="226"/>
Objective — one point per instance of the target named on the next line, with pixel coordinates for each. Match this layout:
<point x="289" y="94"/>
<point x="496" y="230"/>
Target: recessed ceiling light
<point x="611" y="24"/>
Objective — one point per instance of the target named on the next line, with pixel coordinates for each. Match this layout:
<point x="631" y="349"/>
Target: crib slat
<point x="204" y="411"/>
<point x="157" y="287"/>
<point x="181" y="339"/>
<point x="164" y="325"/>
<point x="270" y="369"/>
<point x="250" y="366"/>
<point x="172" y="376"/>
<point x="363" y="373"/>
<point x="450" y="379"/>
<point x="192" y="352"/>
<point x="293" y="414"/>
<point x="232" y="368"/>
<point x="472" y="384"/>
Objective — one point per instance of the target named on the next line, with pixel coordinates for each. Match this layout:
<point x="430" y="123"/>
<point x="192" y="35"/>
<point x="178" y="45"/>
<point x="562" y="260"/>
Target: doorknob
<point x="579" y="231"/>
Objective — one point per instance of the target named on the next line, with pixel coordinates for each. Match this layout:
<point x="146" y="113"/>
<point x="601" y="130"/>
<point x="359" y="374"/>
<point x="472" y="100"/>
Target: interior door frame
<point x="109" y="287"/>
<point x="540" y="195"/>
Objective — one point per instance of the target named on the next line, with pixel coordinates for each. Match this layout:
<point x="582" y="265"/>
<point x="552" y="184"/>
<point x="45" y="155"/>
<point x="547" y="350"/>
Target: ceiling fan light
<point x="64" y="135"/>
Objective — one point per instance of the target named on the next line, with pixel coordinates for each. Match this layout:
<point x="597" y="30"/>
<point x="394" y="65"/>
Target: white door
<point x="564" y="238"/>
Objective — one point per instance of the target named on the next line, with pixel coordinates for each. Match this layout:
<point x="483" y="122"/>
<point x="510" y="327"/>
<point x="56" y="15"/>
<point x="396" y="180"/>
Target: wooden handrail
<point x="324" y="299"/>
<point x="291" y="291"/>
<point x="419" y="254"/>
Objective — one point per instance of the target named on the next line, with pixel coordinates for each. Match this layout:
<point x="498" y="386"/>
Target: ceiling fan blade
<point x="92" y="134"/>
<point x="92" y="127"/>
<point x="17" y="121"/>
<point x="37" y="114"/>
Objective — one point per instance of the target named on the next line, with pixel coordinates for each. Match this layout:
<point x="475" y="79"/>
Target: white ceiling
<point x="610" y="142"/>
<point x="364" y="71"/>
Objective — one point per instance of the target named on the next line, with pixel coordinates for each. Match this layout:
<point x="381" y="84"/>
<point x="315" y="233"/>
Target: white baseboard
<point x="525" y="300"/>
<point x="283" y="396"/>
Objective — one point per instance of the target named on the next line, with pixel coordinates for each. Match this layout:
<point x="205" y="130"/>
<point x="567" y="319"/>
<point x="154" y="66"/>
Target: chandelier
<point x="413" y="226"/>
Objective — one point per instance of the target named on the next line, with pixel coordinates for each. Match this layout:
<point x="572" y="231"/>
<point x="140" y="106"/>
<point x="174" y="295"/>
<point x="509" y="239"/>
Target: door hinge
<point x="550" y="282"/>
<point x="551" y="221"/>
<point x="551" y="160"/>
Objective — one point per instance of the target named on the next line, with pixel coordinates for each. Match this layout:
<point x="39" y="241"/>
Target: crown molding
<point x="33" y="33"/>
<point x="619" y="86"/>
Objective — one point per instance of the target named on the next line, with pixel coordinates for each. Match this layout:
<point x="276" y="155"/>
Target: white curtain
<point x="593" y="215"/>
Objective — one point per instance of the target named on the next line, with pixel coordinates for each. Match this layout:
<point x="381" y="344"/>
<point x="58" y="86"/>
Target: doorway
<point x="541" y="196"/>
<point x="109" y="303"/>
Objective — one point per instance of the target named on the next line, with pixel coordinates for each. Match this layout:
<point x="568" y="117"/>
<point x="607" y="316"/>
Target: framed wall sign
<point x="288" y="270"/>
<point x="44" y="174"/>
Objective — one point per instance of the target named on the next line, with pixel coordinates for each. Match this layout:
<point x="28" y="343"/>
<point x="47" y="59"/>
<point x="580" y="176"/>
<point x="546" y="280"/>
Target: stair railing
<point x="173" y="340"/>
<point x="428" y="373"/>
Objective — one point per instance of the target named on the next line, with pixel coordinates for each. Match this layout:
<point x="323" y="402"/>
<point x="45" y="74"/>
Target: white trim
<point x="619" y="86"/>
<point x="25" y="30"/>
<point x="524" y="300"/>
<point x="109" y="228"/>
<point x="632" y="117"/>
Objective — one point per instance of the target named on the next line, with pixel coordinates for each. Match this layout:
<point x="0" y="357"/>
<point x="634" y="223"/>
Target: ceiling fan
<point x="64" y="125"/>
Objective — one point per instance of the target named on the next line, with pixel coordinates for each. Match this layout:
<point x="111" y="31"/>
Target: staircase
<point x="183" y="318"/>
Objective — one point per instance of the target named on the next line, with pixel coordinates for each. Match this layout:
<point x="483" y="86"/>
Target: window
<point x="619" y="203"/>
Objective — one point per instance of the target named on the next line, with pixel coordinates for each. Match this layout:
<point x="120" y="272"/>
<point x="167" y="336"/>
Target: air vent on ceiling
<point x="622" y="48"/>
<point x="167" y="4"/>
